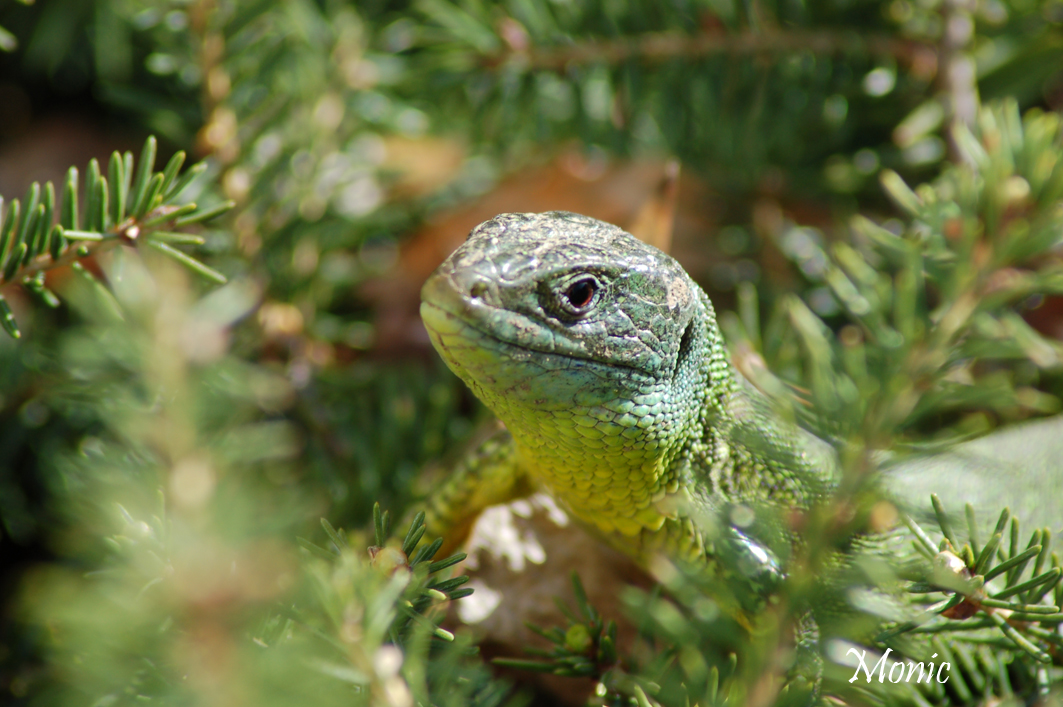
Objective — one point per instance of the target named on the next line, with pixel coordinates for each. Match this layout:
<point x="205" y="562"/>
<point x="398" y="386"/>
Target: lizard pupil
<point x="581" y="293"/>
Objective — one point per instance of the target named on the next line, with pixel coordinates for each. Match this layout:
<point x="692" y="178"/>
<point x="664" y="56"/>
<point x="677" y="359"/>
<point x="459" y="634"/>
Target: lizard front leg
<point x="490" y="475"/>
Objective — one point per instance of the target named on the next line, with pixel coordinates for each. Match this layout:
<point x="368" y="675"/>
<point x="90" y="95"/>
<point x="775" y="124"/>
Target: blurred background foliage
<point x="206" y="428"/>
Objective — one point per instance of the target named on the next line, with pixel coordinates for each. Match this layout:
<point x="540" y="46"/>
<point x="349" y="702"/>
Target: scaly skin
<point x="605" y="363"/>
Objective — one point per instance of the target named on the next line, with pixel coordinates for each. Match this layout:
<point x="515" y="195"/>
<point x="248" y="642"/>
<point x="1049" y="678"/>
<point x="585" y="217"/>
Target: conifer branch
<point x="119" y="210"/>
<point x="662" y="46"/>
<point x="1023" y="612"/>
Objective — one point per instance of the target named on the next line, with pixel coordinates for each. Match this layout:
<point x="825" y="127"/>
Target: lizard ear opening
<point x="686" y="344"/>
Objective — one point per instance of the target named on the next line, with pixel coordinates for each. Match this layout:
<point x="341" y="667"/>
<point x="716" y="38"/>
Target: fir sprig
<point x="983" y="586"/>
<point x="430" y="587"/>
<point x="585" y="648"/>
<point x="37" y="234"/>
<point x="397" y="595"/>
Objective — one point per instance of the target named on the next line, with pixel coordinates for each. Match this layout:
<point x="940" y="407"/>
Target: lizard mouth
<point x="446" y="328"/>
<point x="446" y="311"/>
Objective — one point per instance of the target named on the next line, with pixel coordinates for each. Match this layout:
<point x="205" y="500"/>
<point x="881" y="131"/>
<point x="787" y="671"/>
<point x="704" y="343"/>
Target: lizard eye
<point x="581" y="293"/>
<point x="579" y="296"/>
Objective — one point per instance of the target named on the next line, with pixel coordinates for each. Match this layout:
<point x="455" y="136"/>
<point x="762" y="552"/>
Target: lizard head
<point x="564" y="285"/>
<point x="592" y="347"/>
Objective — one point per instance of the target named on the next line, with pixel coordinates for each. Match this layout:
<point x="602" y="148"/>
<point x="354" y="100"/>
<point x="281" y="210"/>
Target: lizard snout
<point x="459" y="291"/>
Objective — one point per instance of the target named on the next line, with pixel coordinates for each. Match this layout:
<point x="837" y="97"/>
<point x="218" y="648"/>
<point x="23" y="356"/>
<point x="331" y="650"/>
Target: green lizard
<point x="605" y="363"/>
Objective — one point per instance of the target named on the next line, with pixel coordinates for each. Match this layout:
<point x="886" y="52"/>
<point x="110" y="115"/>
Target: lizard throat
<point x="600" y="437"/>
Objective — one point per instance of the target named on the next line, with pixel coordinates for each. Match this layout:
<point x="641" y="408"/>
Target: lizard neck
<point x="613" y="451"/>
<point x="609" y="470"/>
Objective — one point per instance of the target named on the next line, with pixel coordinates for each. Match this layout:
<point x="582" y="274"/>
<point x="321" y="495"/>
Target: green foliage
<point x="972" y="607"/>
<point x="647" y="76"/>
<point x="185" y="479"/>
<point x="934" y="336"/>
<point x="586" y="648"/>
<point x="119" y="209"/>
<point x="934" y="329"/>
<point x="1014" y="607"/>
<point x="396" y="595"/>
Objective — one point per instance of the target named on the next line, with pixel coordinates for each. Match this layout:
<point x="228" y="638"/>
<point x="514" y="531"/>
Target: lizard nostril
<point x="478" y="290"/>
